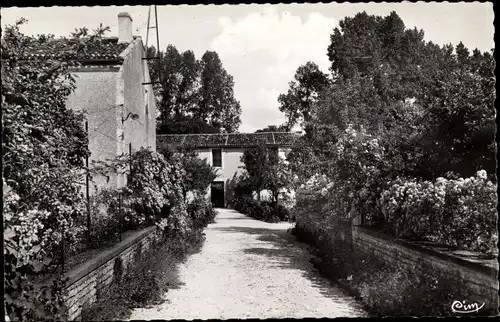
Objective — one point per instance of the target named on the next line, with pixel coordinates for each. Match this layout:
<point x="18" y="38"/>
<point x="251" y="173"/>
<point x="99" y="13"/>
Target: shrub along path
<point x="251" y="269"/>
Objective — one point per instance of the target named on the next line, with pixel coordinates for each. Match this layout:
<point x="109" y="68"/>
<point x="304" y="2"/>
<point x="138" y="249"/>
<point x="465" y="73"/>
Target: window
<point x="217" y="157"/>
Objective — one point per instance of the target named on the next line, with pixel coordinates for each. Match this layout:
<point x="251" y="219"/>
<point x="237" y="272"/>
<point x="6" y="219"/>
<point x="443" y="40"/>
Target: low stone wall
<point x="479" y="276"/>
<point x="89" y="280"/>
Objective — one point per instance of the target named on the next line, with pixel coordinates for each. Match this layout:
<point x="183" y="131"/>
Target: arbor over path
<point x="251" y="269"/>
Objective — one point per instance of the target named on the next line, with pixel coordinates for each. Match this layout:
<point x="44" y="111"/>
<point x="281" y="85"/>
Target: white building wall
<point x="232" y="164"/>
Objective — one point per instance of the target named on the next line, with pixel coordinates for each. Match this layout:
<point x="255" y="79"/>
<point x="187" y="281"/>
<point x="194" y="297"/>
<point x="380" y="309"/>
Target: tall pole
<point x="147" y="32"/>
<point x="87" y="194"/>
<point x="158" y="45"/>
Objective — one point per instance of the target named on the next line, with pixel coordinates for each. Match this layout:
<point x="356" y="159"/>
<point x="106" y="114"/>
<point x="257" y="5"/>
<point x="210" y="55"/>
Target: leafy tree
<point x="171" y="78"/>
<point x="184" y="124"/>
<point x="303" y="93"/>
<point x="277" y="178"/>
<point x="217" y="103"/>
<point x="256" y="164"/>
<point x="415" y="95"/>
<point x="198" y="173"/>
<point x="195" y="96"/>
<point x="396" y="107"/>
<point x="462" y="116"/>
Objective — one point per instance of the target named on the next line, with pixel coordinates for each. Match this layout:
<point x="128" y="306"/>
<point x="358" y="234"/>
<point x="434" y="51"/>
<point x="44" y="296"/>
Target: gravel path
<point x="250" y="269"/>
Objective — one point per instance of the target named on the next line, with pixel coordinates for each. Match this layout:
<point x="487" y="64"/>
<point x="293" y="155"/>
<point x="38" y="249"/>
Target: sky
<point x="261" y="46"/>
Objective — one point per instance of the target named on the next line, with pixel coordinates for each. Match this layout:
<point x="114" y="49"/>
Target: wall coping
<point x="83" y="269"/>
<point x="130" y="47"/>
<point x="476" y="266"/>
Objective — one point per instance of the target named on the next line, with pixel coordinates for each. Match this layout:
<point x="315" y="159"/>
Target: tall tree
<point x="303" y="93"/>
<point x="431" y="106"/>
<point x="171" y="78"/>
<point x="218" y="107"/>
<point x="256" y="165"/>
<point x="195" y="96"/>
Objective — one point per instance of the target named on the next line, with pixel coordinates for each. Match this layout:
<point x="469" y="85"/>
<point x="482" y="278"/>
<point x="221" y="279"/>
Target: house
<point x="224" y="151"/>
<point x="112" y="88"/>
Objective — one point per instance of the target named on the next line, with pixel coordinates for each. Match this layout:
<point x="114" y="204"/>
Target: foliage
<point x="147" y="280"/>
<point x="201" y="212"/>
<point x="387" y="77"/>
<point x="242" y="200"/>
<point x="303" y="93"/>
<point x="218" y="105"/>
<point x="277" y="179"/>
<point x="195" y="96"/>
<point x="350" y="183"/>
<point x="184" y="124"/>
<point x="44" y="145"/>
<point x="459" y="213"/>
<point x="398" y="106"/>
<point x="397" y="61"/>
<point x="385" y="289"/>
<point x="266" y="170"/>
<point x="198" y="173"/>
<point x="462" y="116"/>
<point x="154" y="193"/>
<point x="256" y="162"/>
<point x="104" y="218"/>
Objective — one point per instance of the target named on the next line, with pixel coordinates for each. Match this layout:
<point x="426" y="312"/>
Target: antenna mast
<point x="157" y="57"/>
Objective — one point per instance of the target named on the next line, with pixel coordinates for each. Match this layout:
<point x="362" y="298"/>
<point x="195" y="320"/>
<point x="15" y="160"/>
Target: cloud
<point x="263" y="50"/>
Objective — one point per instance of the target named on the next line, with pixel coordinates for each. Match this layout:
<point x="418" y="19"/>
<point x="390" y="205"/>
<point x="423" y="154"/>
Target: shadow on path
<point x="287" y="253"/>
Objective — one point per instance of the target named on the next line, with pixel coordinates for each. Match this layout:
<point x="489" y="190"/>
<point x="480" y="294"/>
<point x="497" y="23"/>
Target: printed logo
<point x="461" y="307"/>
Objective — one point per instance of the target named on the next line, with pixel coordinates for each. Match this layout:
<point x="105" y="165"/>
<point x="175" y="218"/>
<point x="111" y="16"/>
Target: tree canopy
<point x="432" y="105"/>
<point x="195" y="96"/>
<point x="303" y="93"/>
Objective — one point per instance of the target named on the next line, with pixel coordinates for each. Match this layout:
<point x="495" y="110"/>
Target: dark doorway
<point x="217" y="194"/>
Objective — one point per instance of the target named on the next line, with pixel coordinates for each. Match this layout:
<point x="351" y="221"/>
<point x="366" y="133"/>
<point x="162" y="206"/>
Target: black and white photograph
<point x="249" y="161"/>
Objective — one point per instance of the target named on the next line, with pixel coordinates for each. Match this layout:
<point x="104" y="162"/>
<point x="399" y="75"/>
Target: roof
<point x="234" y="140"/>
<point x="103" y="51"/>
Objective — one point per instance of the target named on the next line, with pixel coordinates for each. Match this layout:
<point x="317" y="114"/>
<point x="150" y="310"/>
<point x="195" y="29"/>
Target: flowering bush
<point x="457" y="212"/>
<point x="349" y="183"/>
<point x="104" y="218"/>
<point x="153" y="183"/>
<point x="44" y="145"/>
<point x="201" y="212"/>
<point x="356" y="179"/>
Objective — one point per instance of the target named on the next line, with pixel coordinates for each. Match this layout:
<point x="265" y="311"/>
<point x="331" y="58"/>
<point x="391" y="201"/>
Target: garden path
<point x="251" y="269"/>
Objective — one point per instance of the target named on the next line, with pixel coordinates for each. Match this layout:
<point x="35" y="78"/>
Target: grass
<point x="147" y="281"/>
<point x="387" y="290"/>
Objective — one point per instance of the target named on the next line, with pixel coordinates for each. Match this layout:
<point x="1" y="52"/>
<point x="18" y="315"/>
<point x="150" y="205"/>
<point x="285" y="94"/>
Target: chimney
<point x="124" y="28"/>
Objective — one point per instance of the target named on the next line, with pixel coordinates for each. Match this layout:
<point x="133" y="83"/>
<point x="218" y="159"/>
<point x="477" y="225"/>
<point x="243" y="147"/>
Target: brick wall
<point x="479" y="277"/>
<point x="93" y="278"/>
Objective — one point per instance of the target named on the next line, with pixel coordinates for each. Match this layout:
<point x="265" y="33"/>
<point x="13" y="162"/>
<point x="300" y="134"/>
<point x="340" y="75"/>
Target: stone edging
<point x="84" y="269"/>
<point x="478" y="267"/>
